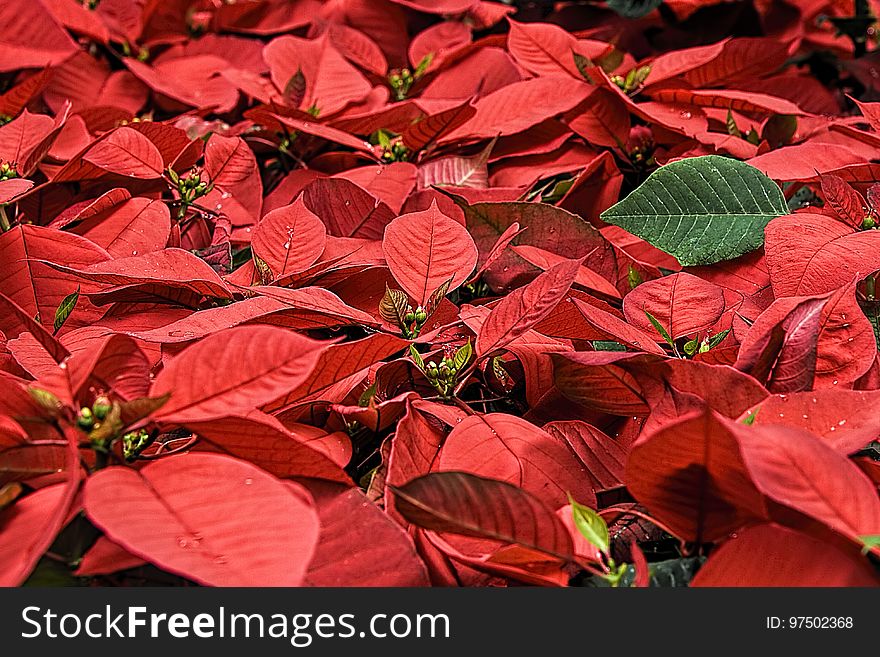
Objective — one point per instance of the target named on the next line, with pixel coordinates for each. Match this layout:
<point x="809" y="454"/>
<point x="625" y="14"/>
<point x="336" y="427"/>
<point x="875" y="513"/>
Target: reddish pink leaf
<point x="613" y="328"/>
<point x="200" y="516"/>
<point x="813" y="254"/>
<point x="127" y="152"/>
<point x="508" y="448"/>
<point x="770" y="555"/>
<point x="523" y="308"/>
<point x="425" y="250"/>
<point x="691" y="476"/>
<point x="846" y="419"/>
<point x="843" y="199"/>
<point x="596" y="381"/>
<point x="683" y="304"/>
<point x="465" y="504"/>
<point x="805" y="474"/>
<point x="269" y="362"/>
<point x="288" y="240"/>
<point x="346" y="209"/>
<point x="361" y="546"/>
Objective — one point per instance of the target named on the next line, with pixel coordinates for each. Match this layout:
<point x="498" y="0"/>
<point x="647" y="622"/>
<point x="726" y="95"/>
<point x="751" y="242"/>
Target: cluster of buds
<point x="135" y="442"/>
<point x="869" y="222"/>
<point x="7" y="171"/>
<point x="90" y="419"/>
<point x="633" y="80"/>
<point x="640" y="144"/>
<point x="4" y="119"/>
<point x="401" y="82"/>
<point x="190" y="188"/>
<point x="417" y="317"/>
<point x="443" y="375"/>
<point x="396" y="151"/>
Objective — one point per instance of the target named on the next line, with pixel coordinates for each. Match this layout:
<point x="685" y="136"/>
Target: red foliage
<point x="310" y="293"/>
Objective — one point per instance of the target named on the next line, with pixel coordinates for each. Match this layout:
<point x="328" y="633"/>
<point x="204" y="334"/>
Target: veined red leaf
<point x="682" y="303"/>
<point x="127" y="152"/>
<point x="507" y="448"/>
<point x="845" y="419"/>
<point x="523" y="308"/>
<point x="200" y="516"/>
<point x="268" y="363"/>
<point x="691" y="476"/>
<point x="812" y="254"/>
<point x="481" y="507"/>
<point x="426" y="249"/>
<point x="346" y="209"/>
<point x="843" y="199"/>
<point x="361" y="546"/>
<point x="804" y="473"/>
<point x="772" y="555"/>
<point x="289" y="239"/>
<point x="594" y="379"/>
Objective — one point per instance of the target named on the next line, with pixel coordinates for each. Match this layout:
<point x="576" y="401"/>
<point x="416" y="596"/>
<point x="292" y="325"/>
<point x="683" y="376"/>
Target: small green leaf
<point x="691" y="346"/>
<point x="423" y="65"/>
<point x="634" y="278"/>
<point x="607" y="345"/>
<point x="66" y="307"/>
<point x="394" y="307"/>
<point x="295" y="89"/>
<point x="732" y="128"/>
<point x="584" y="64"/>
<point x="462" y="356"/>
<point x="715" y="340"/>
<point x="869" y="542"/>
<point x="701" y="209"/>
<point x="417" y="357"/>
<point x="749" y="419"/>
<point x="45" y="400"/>
<point x="591" y="525"/>
<point x="662" y="331"/>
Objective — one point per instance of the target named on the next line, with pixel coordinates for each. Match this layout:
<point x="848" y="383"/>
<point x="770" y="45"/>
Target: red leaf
<point x="426" y="249"/>
<point x="691" y="476"/>
<point x="268" y="363"/>
<point x="481" y="507"/>
<point x="127" y="152"/>
<point x="845" y="419"/>
<point x="508" y="448"/>
<point x="346" y="209"/>
<point x="134" y="226"/>
<point x="843" y="199"/>
<point x="770" y="555"/>
<point x="594" y="380"/>
<point x="523" y="308"/>
<point x="780" y="348"/>
<point x="361" y="546"/>
<point x="289" y="239"/>
<point x="803" y="473"/>
<point x="200" y="516"/>
<point x="683" y="304"/>
<point x="813" y="254"/>
<point x="429" y="129"/>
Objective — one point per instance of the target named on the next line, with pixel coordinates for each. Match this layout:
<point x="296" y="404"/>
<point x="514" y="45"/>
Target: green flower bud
<point x="101" y="407"/>
<point x="869" y="222"/>
<point x="421" y="315"/>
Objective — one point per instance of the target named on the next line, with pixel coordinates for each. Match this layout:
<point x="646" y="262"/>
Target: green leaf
<point x="607" y="345"/>
<point x="634" y="8"/>
<point x="662" y="331"/>
<point x="417" y="357"/>
<point x="423" y="65"/>
<point x="462" y="356"/>
<point x="394" y="306"/>
<point x="591" y="525"/>
<point x="749" y="419"/>
<point x="702" y="209"/>
<point x="732" y="128"/>
<point x="715" y="340"/>
<point x="870" y="542"/>
<point x="66" y="307"/>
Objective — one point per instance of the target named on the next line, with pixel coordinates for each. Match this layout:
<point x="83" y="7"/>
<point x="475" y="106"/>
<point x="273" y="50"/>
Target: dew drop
<point x="685" y="114"/>
<point x="182" y="542"/>
<point x="248" y="481"/>
<point x="782" y="415"/>
<point x="134" y="253"/>
<point x="833" y="428"/>
<point x="505" y="269"/>
<point x="841" y="423"/>
<point x="834" y="383"/>
<point x="347" y="203"/>
<point x="225" y="195"/>
<point x="286" y="245"/>
<point x="804" y="416"/>
<point x="220" y="560"/>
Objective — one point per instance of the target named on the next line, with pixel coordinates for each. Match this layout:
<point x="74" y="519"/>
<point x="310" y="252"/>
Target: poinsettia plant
<point x="460" y="292"/>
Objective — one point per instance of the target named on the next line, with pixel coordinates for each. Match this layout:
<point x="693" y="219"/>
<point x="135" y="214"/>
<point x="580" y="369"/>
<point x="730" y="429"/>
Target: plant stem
<point x="4" y="220"/>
